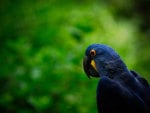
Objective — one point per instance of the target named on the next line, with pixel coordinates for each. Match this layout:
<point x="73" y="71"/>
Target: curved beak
<point x="86" y="63"/>
<point x="89" y="66"/>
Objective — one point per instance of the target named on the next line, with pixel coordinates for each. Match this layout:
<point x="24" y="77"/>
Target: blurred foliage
<point x="43" y="43"/>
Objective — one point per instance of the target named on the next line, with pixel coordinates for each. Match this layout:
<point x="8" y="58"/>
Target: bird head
<point x="102" y="60"/>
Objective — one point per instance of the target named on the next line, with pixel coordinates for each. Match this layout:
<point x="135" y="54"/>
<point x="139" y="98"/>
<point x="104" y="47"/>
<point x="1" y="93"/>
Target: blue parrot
<point x="119" y="90"/>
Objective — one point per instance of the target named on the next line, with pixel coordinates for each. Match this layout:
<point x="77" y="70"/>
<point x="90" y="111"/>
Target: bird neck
<point x="116" y="68"/>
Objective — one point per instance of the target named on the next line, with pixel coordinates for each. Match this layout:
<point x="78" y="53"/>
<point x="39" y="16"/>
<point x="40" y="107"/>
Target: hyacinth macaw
<point x="119" y="90"/>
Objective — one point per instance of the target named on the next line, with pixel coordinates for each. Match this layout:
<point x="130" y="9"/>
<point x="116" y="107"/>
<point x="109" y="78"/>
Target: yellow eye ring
<point x="92" y="52"/>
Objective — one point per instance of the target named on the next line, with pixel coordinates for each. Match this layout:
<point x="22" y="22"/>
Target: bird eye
<point x="92" y="52"/>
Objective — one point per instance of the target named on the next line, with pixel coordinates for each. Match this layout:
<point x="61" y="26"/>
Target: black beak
<point x="86" y="64"/>
<point x="88" y="69"/>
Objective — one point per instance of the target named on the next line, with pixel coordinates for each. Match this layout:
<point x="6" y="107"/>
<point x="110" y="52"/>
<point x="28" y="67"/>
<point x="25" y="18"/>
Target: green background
<point x="42" y="45"/>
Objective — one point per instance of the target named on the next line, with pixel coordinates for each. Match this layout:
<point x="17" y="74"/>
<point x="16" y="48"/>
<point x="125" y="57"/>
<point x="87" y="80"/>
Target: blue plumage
<point x="119" y="89"/>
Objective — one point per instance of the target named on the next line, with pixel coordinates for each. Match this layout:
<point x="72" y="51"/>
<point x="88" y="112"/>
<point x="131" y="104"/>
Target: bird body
<point x="119" y="90"/>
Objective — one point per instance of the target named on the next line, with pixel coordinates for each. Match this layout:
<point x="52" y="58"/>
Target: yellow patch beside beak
<point x="93" y="64"/>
